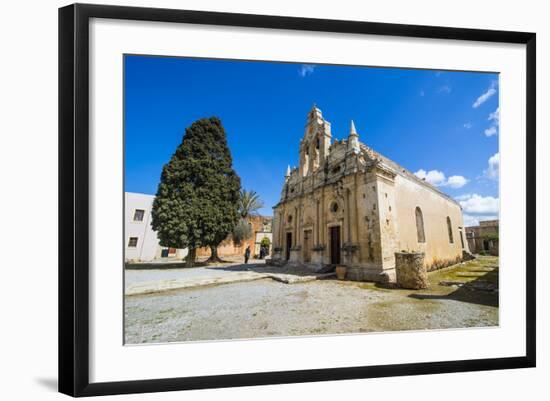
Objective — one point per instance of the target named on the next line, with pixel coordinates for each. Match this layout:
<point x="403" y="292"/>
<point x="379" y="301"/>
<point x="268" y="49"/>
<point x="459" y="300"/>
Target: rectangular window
<point x="138" y="214"/>
<point x="132" y="242"/>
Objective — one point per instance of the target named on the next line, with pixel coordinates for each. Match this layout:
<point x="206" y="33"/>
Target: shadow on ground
<point x="482" y="290"/>
<point x="161" y="266"/>
<point x="172" y="264"/>
<point x="263" y="268"/>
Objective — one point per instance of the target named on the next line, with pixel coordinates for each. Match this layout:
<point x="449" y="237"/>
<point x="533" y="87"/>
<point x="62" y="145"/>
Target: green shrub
<point x="241" y="232"/>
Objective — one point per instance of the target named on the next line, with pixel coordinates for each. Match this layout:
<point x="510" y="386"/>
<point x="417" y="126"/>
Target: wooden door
<point x="288" y="245"/>
<point x="334" y="245"/>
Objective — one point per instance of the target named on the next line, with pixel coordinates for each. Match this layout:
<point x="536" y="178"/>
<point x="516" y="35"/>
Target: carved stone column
<point x="316" y="238"/>
<point x="322" y="223"/>
<point x="348" y="217"/>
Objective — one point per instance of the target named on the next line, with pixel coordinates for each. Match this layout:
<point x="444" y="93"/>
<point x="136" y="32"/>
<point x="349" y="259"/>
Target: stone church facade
<point x="348" y="205"/>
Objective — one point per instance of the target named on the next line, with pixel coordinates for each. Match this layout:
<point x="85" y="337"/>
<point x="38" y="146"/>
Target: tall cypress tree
<point x="198" y="194"/>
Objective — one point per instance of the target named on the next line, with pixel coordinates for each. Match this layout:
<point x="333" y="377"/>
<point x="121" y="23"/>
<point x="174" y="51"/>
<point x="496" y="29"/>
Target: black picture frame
<point x="74" y="198"/>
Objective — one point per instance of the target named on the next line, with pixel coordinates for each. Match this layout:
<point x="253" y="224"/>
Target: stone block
<point x="295" y="254"/>
<point x="277" y="254"/>
<point x="359" y="273"/>
<point x="317" y="257"/>
<point x="410" y="270"/>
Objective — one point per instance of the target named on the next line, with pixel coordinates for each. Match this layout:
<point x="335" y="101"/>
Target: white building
<point x="141" y="242"/>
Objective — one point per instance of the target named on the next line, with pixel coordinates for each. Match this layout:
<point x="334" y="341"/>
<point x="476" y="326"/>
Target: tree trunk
<point x="214" y="258"/>
<point x="190" y="260"/>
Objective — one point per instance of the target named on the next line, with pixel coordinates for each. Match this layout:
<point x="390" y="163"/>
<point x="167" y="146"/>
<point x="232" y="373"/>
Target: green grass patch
<point x="482" y="268"/>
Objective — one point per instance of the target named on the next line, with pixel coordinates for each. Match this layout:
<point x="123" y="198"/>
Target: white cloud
<point x="445" y="88"/>
<point x="485" y="96"/>
<point x="434" y="177"/>
<point x="306" y="69"/>
<point x="463" y="197"/>
<point x="478" y="208"/>
<point x="437" y="178"/>
<point x="422" y="93"/>
<point x="495" y="116"/>
<point x="493" y="169"/>
<point x="470" y="221"/>
<point x="491" y="131"/>
<point x="477" y="204"/>
<point x="456" y="181"/>
<point x="467" y="125"/>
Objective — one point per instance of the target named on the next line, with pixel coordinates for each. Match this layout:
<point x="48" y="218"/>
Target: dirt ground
<point x="463" y="295"/>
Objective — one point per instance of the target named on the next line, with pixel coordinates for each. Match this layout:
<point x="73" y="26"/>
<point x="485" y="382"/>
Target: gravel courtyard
<point x="464" y="295"/>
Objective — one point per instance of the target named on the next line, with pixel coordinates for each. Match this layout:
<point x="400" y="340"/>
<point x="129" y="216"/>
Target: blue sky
<point x="441" y="125"/>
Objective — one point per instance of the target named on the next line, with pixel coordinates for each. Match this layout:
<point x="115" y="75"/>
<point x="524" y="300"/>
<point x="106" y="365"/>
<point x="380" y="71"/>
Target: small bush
<point x="241" y="232"/>
<point x="265" y="242"/>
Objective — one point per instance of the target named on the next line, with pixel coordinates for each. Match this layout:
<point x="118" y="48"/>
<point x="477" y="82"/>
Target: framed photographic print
<point x="250" y="199"/>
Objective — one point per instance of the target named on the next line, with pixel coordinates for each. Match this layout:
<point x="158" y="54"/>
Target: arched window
<point x="450" y="229"/>
<point x="419" y="225"/>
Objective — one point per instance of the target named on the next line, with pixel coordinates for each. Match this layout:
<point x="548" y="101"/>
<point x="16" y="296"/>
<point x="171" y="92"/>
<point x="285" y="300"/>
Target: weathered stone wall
<point x="484" y="237"/>
<point x="435" y="207"/>
<point x="389" y="234"/>
<point x="228" y="248"/>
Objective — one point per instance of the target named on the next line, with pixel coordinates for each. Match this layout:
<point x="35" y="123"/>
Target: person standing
<point x="246" y="254"/>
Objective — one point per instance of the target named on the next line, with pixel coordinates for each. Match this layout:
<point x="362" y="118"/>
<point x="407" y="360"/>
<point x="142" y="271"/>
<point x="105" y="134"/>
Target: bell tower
<point x="314" y="146"/>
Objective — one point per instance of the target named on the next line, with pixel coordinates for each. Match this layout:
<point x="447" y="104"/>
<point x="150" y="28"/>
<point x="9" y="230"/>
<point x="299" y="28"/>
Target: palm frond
<point x="249" y="203"/>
